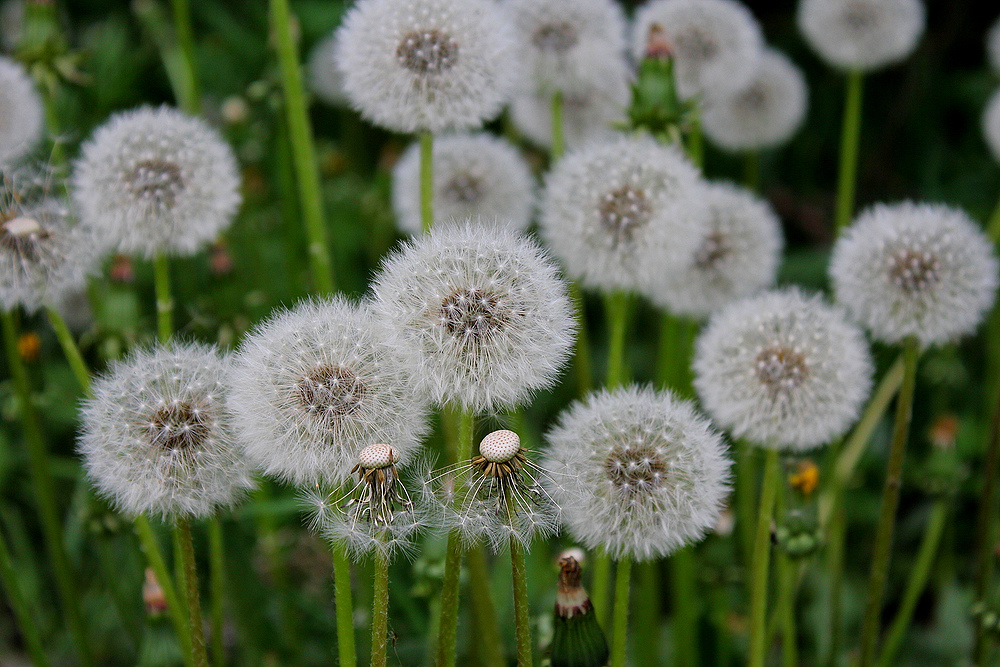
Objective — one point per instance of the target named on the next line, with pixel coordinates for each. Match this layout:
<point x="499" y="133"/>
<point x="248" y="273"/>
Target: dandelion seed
<point x="21" y="112"/>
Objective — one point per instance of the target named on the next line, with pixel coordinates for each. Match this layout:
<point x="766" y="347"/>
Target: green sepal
<point x="578" y="642"/>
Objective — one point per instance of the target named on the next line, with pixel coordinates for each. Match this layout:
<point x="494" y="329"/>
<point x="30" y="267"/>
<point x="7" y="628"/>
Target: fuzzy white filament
<point x="21" y="112"/>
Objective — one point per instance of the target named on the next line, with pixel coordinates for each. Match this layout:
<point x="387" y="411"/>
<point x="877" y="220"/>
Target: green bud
<point x="578" y="640"/>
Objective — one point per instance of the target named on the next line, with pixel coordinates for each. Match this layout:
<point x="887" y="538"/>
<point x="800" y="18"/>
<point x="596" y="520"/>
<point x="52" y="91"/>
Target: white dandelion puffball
<point x="739" y="253"/>
<point x="156" y="438"/>
<point x="314" y="385"/>
<point x="615" y="212"/>
<point x="480" y="312"/>
<point x="862" y="34"/>
<point x="913" y="269"/>
<point x="475" y="176"/>
<point x="640" y="473"/>
<point x="993" y="46"/>
<point x="433" y="65"/>
<point x="564" y="43"/>
<point x="157" y="181"/>
<point x="717" y="44"/>
<point x="991" y="125"/>
<point x="764" y="113"/>
<point x="783" y="370"/>
<point x="325" y="79"/>
<point x="21" y="112"/>
<point x="590" y="110"/>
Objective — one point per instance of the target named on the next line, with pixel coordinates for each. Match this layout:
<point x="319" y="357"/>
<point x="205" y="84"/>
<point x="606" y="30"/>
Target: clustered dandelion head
<point x="764" y="113"/>
<point x="862" y="34"/>
<point x="716" y="43"/>
<point x="324" y="77"/>
<point x="782" y="369"/>
<point x="738" y="255"/>
<point x="21" y="112"/>
<point x="315" y="385"/>
<point x="412" y="65"/>
<point x="640" y="472"/>
<point x="993" y="46"/>
<point x="476" y="176"/>
<point x="616" y="211"/>
<point x="991" y="125"/>
<point x="157" y="181"/>
<point x="156" y="438"/>
<point x="479" y="312"/>
<point x="913" y="269"/>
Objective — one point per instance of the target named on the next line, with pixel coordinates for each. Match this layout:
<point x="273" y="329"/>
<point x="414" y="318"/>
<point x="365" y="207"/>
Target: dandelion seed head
<point x="862" y="34"/>
<point x="991" y="125"/>
<point x="993" y="46"/>
<point x="21" y="112"/>
<point x="325" y="79"/>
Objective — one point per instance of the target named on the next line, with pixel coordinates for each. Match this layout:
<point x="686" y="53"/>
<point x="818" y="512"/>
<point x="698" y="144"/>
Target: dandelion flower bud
<point x="782" y="369"/>
<point x="616" y="212"/>
<point x="991" y="125"/>
<point x="640" y="472"/>
<point x="911" y="269"/>
<point x="476" y="176"/>
<point x="738" y="255"/>
<point x="716" y="43"/>
<point x="577" y="637"/>
<point x="993" y="46"/>
<point x="324" y="77"/>
<point x="21" y="111"/>
<point x="480" y="314"/>
<point x="315" y="385"/>
<point x="157" y="181"/>
<point x="156" y="438"/>
<point x="412" y="65"/>
<point x="764" y="113"/>
<point x="862" y="34"/>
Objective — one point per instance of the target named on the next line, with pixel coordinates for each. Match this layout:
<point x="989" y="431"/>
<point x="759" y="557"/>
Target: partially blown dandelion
<point x="21" y="112"/>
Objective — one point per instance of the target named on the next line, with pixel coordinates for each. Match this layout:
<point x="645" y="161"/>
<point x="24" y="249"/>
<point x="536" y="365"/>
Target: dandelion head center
<point x="624" y="210"/>
<point x="464" y="188"/>
<point x="179" y="426"/>
<point x="427" y="52"/>
<point x="754" y="98"/>
<point x="330" y="392"/>
<point x="472" y="313"/>
<point x="713" y="250"/>
<point x="859" y="16"/>
<point x="780" y="369"/>
<point x="559" y="37"/>
<point x="22" y="236"/>
<point x="158" y="181"/>
<point x="696" y="45"/>
<point x="635" y="468"/>
<point x="914" y="272"/>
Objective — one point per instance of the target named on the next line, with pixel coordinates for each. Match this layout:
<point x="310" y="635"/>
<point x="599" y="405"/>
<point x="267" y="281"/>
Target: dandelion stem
<point x="154" y="556"/>
<point x="751" y="170"/>
<point x="600" y="587"/>
<point x="164" y="301"/>
<point x="183" y="530"/>
<point x="426" y="181"/>
<point x="849" y="138"/>
<point x="986" y="528"/>
<point x="189" y="96"/>
<point x="685" y="607"/>
<point x="522" y="623"/>
<point x="491" y="653"/>
<point x="44" y="492"/>
<point x="345" y="606"/>
<point x="558" y="132"/>
<point x="303" y="150"/>
<point x="216" y="549"/>
<point x="380" y="610"/>
<point x="890" y="501"/>
<point x="695" y="142"/>
<point x="25" y="620"/>
<point x="647" y="621"/>
<point x="619" y="638"/>
<point x="919" y="572"/>
<point x="746" y="486"/>
<point x="761" y="560"/>
<point x="616" y="309"/>
<point x="71" y="350"/>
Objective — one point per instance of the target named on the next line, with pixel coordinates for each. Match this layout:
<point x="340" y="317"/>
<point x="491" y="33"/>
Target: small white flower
<point x="21" y="112"/>
<point x="157" y="181"/>
<point x="862" y="34"/>
<point x="641" y="473"/>
<point x="782" y="369"/>
<point x="324" y="77"/>
<point x="412" y="65"/>
<point x="479" y="312"/>
<point x="764" y="113"/>
<point x="476" y="176"/>
<point x="156" y="438"/>
<point x="991" y="125"/>
<point x="993" y="46"/>
<point x="615" y="212"/>
<point x="717" y="43"/>
<point x="738" y="255"/>
<point x="313" y="386"/>
<point x="912" y="269"/>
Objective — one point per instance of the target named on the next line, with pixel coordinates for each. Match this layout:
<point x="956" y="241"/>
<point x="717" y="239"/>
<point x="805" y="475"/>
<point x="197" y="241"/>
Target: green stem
<point x="695" y="142"/>
<point x="751" y="170"/>
<point x="600" y="587"/>
<point x="164" y="301"/>
<point x="685" y="607"/>
<point x="15" y="596"/>
<point x="890" y="501"/>
<point x="835" y="537"/>
<point x="616" y="310"/>
<point x="344" y="605"/>
<point x="993" y="225"/>
<point x="491" y="652"/>
<point x="849" y="139"/>
<point x="44" y="492"/>
<point x="380" y="610"/>
<point x="199" y="657"/>
<point x="647" y="614"/>
<point x="189" y="97"/>
<point x="919" y="571"/>
<point x="426" y="181"/>
<point x="154" y="556"/>
<point x="558" y="132"/>
<point x="761" y="560"/>
<point x="522" y="622"/>
<point x="584" y="374"/>
<point x="619" y="637"/>
<point x="746" y="494"/>
<point x="303" y="150"/>
<point x="216" y="550"/>
<point x="71" y="350"/>
<point x="986" y="528"/>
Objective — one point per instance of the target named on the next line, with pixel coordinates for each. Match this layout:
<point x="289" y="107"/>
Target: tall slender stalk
<point x="619" y="637"/>
<point x="303" y="150"/>
<point x="581" y="356"/>
<point x="986" y="527"/>
<point x="761" y="560"/>
<point x="616" y="308"/>
<point x="558" y="132"/>
<point x="522" y="622"/>
<point x="647" y="614"/>
<point x="70" y="349"/>
<point x="746" y="493"/>
<point x="164" y="300"/>
<point x="154" y="555"/>
<point x="426" y="181"/>
<point x="695" y="140"/>
<point x="849" y="139"/>
<point x="890" y="502"/>
<point x="199" y="656"/>
<point x="344" y="606"/>
<point x="216" y="551"/>
<point x="600" y="587"/>
<point x="380" y="610"/>
<point x="751" y="170"/>
<point x="189" y="96"/>
<point x="15" y="596"/>
<point x="491" y="652"/>
<point x="685" y="606"/>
